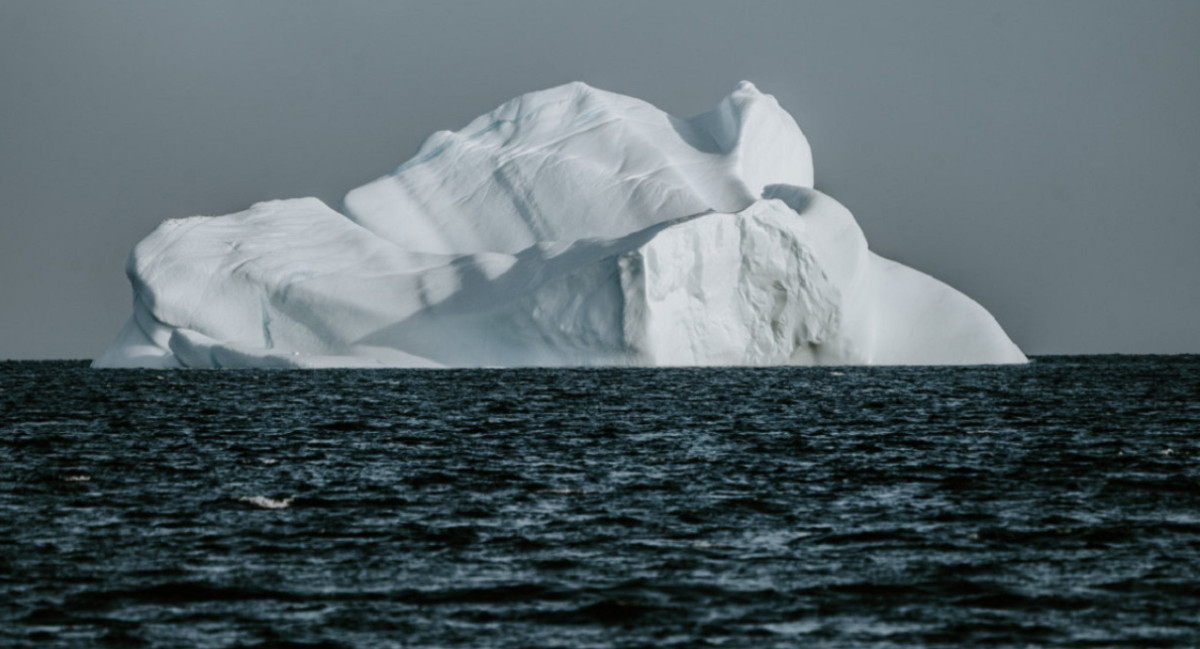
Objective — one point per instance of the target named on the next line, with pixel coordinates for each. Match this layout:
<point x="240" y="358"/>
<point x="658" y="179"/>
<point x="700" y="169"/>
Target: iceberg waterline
<point x="569" y="226"/>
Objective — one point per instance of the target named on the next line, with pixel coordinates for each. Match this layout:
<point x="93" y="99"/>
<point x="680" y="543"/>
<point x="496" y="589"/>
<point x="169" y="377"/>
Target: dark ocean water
<point x="1054" y="504"/>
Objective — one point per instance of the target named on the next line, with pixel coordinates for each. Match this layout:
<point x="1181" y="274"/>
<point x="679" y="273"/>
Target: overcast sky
<point x="1043" y="157"/>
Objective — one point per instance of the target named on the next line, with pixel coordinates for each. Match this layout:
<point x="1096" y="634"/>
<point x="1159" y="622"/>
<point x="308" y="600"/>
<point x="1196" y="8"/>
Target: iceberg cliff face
<point x="569" y="226"/>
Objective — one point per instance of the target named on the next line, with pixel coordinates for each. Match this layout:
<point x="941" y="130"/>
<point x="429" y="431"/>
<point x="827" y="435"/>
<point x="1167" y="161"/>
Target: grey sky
<point x="1043" y="157"/>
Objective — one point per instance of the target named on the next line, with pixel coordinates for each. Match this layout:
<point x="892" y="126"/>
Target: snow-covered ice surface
<point x="570" y="226"/>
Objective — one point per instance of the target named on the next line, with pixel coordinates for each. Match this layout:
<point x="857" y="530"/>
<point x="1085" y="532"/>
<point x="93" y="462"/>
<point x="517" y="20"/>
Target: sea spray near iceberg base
<point x="570" y="226"/>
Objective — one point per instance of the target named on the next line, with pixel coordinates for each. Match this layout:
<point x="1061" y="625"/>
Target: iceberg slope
<point x="569" y="226"/>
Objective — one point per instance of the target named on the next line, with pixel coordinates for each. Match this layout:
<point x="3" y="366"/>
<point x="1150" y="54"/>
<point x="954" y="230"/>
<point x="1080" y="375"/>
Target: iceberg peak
<point x="568" y="226"/>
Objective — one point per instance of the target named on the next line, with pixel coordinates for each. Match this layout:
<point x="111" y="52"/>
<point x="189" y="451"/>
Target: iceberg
<point x="568" y="227"/>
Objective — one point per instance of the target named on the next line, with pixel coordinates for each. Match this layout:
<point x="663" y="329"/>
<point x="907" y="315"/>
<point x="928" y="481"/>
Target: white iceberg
<point x="570" y="226"/>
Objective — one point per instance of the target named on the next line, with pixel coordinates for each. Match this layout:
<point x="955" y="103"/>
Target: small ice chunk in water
<point x="267" y="503"/>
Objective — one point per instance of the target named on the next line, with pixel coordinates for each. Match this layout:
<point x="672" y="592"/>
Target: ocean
<point x="1051" y="504"/>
